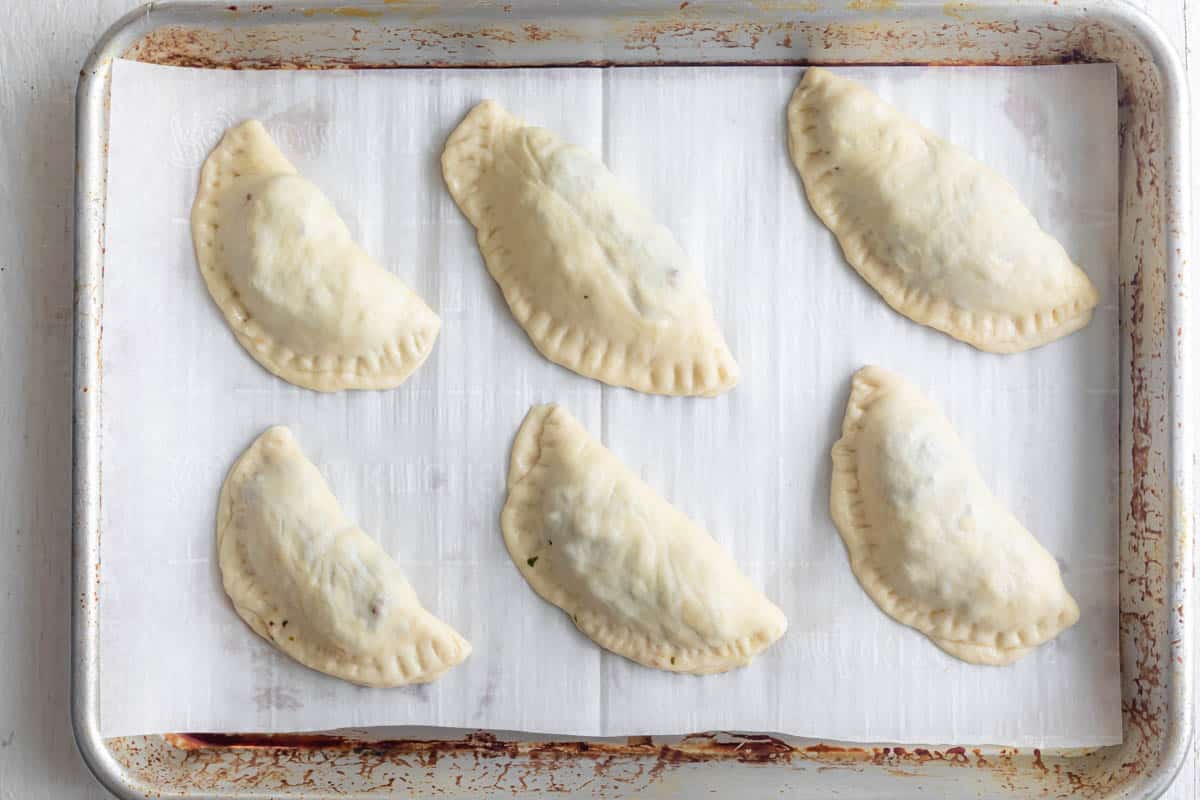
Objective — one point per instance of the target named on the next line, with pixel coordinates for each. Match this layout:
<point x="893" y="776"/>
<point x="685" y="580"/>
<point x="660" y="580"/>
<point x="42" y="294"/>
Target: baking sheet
<point x="422" y="467"/>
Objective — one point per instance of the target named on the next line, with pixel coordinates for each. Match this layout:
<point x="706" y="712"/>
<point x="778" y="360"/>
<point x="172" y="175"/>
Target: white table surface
<point x="42" y="45"/>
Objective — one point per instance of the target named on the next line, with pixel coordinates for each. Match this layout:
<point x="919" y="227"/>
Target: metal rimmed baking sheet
<point x="1155" y="520"/>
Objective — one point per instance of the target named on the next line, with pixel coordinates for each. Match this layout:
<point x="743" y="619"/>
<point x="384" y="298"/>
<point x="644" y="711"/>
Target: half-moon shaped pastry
<point x="600" y="287"/>
<point x="943" y="238"/>
<point x="313" y="584"/>
<point x="636" y="575"/>
<point x="299" y="293"/>
<point x="928" y="541"/>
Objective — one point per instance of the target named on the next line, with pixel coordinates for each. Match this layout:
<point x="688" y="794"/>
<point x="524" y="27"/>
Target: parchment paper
<point x="422" y="467"/>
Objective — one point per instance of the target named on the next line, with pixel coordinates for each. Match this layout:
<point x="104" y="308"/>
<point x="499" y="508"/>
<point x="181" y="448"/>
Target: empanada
<point x="943" y="238"/>
<point x="635" y="574"/>
<point x="928" y="541"/>
<point x="599" y="286"/>
<point x="313" y="584"/>
<point x="301" y="296"/>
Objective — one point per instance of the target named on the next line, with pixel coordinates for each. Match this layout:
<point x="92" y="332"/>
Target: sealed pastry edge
<point x="978" y="330"/>
<point x="466" y="158"/>
<point x="458" y="649"/>
<point x="324" y="373"/>
<point x="526" y="453"/>
<point x="867" y="385"/>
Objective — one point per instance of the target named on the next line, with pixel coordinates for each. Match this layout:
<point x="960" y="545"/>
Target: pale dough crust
<point x="600" y="287"/>
<point x="944" y="239"/>
<point x="928" y="541"/>
<point x="313" y="584"/>
<point x="300" y="295"/>
<point x="635" y="575"/>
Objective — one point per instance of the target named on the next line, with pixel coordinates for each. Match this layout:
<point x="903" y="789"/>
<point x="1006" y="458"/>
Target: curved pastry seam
<point x="1032" y="329"/>
<point x="477" y="130"/>
<point x="723" y="365"/>
<point x="276" y="357"/>
<point x="520" y="513"/>
<point x="846" y="506"/>
<point x="383" y="672"/>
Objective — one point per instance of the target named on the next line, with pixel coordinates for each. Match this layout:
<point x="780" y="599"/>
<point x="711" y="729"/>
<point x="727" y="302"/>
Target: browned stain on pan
<point x="481" y="762"/>
<point x="647" y="41"/>
<point x="746" y="748"/>
<point x="361" y="13"/>
<point x="872" y="5"/>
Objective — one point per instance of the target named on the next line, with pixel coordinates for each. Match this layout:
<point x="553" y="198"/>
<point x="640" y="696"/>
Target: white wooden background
<point x="42" y="45"/>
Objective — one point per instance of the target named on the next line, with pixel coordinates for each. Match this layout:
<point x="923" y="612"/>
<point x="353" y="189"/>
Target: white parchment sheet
<point x="422" y="467"/>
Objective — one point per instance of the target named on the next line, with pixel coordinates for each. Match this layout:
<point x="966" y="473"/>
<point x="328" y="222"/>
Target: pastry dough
<point x="301" y="296"/>
<point x="313" y="584"/>
<point x="599" y="286"/>
<point x="635" y="574"/>
<point x="945" y="240"/>
<point x="928" y="541"/>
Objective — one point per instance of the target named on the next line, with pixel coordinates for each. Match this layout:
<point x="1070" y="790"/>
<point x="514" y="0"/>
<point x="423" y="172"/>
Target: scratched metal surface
<point x="1155" y="439"/>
